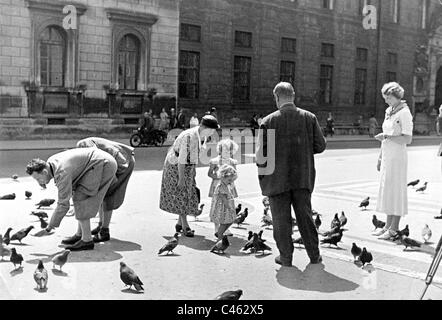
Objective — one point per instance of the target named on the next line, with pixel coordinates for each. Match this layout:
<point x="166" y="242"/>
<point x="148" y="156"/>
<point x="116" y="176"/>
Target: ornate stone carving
<point x="421" y="60"/>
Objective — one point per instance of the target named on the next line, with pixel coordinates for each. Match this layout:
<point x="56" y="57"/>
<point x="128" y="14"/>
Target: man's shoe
<point x="81" y="245"/>
<point x="317" y="260"/>
<point x="284" y="264"/>
<point x="102" y="236"/>
<point x="71" y="240"/>
<point x="96" y="230"/>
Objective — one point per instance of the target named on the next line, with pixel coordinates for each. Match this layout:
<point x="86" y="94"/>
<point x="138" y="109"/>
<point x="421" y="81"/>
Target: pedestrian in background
<point x="164" y="120"/>
<point x="298" y="136"/>
<point x="329" y="127"/>
<point x="172" y="119"/>
<point x="222" y="210"/>
<point x="373" y="126"/>
<point x="397" y="133"/>
<point x="226" y="149"/>
<point x="179" y="194"/>
<point x="83" y="174"/>
<point x="194" y="120"/>
<point x="124" y="156"/>
<point x="181" y="120"/>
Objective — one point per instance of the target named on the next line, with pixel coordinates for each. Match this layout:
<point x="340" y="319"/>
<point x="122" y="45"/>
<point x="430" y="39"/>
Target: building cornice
<point x="131" y="17"/>
<point x="53" y="6"/>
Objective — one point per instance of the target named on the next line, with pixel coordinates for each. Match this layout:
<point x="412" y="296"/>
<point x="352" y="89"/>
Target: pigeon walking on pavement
<point x="16" y="258"/>
<point x="221" y="245"/>
<point x="40" y="214"/>
<point x="170" y="245"/>
<point x="423" y="188"/>
<point x="249" y="244"/>
<point x="365" y="257"/>
<point x="343" y="219"/>
<point x="318" y="221"/>
<point x="241" y="217"/>
<point x="365" y="203"/>
<point x="28" y="195"/>
<point x="413" y="183"/>
<point x="238" y="208"/>
<point x="10" y="196"/>
<point x="41" y="276"/>
<point x="266" y="219"/>
<point x="355" y="251"/>
<point x="259" y="245"/>
<point x="129" y="277"/>
<point x="199" y="212"/>
<point x="6" y="237"/>
<point x="20" y="235"/>
<point x="377" y="223"/>
<point x="230" y="295"/>
<point x="426" y="233"/>
<point x="45" y="203"/>
<point x="61" y="259"/>
<point x="334" y="238"/>
<point x="335" y="222"/>
<point x="400" y="233"/>
<point x="43" y="223"/>
<point x="408" y="242"/>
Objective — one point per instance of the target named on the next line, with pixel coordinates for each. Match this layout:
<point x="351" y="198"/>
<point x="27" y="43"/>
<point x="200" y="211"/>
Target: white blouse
<point x="399" y="123"/>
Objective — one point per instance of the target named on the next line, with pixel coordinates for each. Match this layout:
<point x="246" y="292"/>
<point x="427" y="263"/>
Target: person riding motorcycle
<point x="147" y="123"/>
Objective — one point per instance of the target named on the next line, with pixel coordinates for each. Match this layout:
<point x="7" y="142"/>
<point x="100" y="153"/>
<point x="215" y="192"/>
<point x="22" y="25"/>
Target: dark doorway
<point x="438" y="97"/>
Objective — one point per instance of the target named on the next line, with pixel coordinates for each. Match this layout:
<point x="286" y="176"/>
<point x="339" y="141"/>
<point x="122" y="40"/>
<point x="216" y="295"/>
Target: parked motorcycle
<point x="154" y="137"/>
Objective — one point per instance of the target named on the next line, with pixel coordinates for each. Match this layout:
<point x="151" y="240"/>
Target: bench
<point x="349" y="129"/>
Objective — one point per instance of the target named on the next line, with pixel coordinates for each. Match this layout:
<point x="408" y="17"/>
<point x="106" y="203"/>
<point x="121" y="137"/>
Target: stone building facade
<point x="233" y="52"/>
<point x="86" y="66"/>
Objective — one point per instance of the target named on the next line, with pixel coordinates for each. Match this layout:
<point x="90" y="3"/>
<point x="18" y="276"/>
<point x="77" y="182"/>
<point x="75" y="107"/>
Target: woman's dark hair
<point x="35" y="165"/>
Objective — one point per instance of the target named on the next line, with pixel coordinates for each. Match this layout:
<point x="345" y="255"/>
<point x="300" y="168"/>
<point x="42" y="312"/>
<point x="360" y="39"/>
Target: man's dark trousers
<point x="280" y="205"/>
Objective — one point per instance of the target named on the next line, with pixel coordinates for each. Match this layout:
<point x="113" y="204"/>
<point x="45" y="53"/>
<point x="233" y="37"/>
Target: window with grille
<point x="326" y="84"/>
<point x="361" y="55"/>
<point x="360" y="86"/>
<point x="288" y="45"/>
<point x="190" y="32"/>
<point x="241" y="78"/>
<point x="128" y="62"/>
<point x="287" y="72"/>
<point x="243" y="39"/>
<point x="391" y="76"/>
<point x="328" y="50"/>
<point x="52" y="45"/>
<point x="189" y="69"/>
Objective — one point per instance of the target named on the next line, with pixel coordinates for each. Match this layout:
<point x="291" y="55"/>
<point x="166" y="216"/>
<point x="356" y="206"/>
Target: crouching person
<point x="84" y="175"/>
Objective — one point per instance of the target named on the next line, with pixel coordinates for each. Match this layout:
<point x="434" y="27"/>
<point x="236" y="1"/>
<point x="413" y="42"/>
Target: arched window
<point x="128" y="62"/>
<point x="52" y="44"/>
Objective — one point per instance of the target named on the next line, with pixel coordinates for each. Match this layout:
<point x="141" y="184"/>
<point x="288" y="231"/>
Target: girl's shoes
<point x="189" y="233"/>
<point x="178" y="228"/>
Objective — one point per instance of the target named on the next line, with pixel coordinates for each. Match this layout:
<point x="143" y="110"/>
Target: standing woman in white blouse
<point x="392" y="163"/>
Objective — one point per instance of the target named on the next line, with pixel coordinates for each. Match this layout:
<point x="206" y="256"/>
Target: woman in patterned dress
<point x="179" y="194"/>
<point x="397" y="132"/>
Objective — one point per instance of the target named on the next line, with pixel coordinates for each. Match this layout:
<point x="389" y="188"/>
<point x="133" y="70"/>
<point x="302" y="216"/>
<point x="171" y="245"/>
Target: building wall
<point x="94" y="61"/>
<point x="311" y="25"/>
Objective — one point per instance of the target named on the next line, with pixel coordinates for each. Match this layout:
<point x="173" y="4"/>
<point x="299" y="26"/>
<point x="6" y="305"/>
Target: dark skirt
<point x="176" y="200"/>
<point x="117" y="191"/>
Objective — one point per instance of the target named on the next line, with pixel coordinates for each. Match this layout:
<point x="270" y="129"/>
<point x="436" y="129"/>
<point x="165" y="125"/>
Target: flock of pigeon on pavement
<point x="254" y="244"/>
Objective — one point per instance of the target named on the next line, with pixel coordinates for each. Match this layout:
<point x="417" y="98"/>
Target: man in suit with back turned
<point x="290" y="180"/>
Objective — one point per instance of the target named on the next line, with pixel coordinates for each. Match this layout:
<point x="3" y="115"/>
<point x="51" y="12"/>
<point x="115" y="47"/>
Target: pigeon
<point x="408" y="242"/>
<point x="230" y="295"/>
<point x="365" y="257"/>
<point x="298" y="241"/>
<point x="365" y="203"/>
<point x="6" y="237"/>
<point x="355" y="251"/>
<point x="318" y="221"/>
<point x="28" y="194"/>
<point x="413" y="183"/>
<point x="170" y="245"/>
<point x="129" y="277"/>
<point x="439" y="216"/>
<point x="250" y="236"/>
<point x="15" y="258"/>
<point x="423" y="188"/>
<point x="377" y="223"/>
<point x="400" y="233"/>
<point x="238" y="208"/>
<point x="330" y="232"/>
<point x="249" y="243"/>
<point x="221" y="245"/>
<point x="259" y="245"/>
<point x="61" y="259"/>
<point x="334" y="238"/>
<point x="343" y="219"/>
<point x="14" y="177"/>
<point x="260" y="236"/>
<point x="21" y="234"/>
<point x="241" y="217"/>
<point x="10" y="196"/>
<point x="426" y="233"/>
<point x="4" y="251"/>
<point x="267" y="218"/>
<point x="335" y="222"/>
<point x="40" y="214"/>
<point x="199" y="212"/>
<point x="45" y="203"/>
<point x="41" y="276"/>
<point x="43" y="223"/>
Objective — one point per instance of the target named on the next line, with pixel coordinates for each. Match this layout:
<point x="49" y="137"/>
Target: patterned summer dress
<point x="215" y="164"/>
<point x="222" y="210"/>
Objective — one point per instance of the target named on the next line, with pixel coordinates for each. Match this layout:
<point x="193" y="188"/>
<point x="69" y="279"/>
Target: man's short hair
<point x="284" y="90"/>
<point x="35" y="165"/>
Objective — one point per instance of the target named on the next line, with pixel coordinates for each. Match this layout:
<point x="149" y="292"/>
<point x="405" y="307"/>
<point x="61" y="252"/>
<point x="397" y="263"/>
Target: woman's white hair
<point x="227" y="145"/>
<point x="393" y="89"/>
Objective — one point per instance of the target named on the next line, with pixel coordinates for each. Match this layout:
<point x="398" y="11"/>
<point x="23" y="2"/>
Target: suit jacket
<point x="288" y="163"/>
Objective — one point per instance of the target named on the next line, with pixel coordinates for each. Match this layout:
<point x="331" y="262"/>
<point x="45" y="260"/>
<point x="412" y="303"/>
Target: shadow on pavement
<point x="313" y="278"/>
